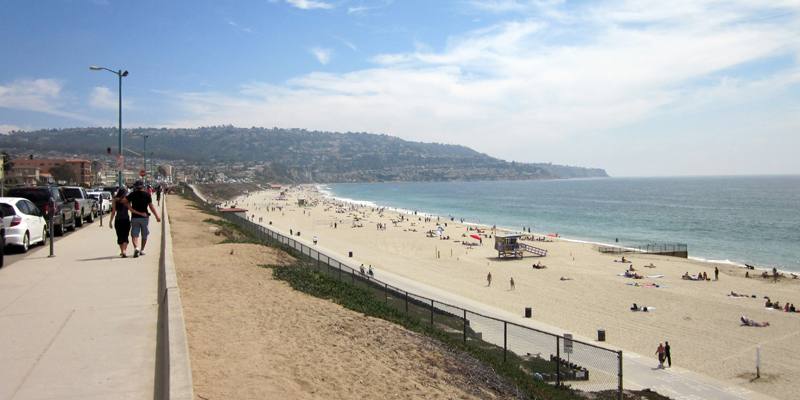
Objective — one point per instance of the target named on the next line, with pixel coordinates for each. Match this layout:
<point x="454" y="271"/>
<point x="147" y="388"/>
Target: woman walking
<point x="122" y="220"/>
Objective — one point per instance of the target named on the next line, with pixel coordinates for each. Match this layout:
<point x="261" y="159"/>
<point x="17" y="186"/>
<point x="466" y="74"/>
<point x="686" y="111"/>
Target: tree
<point x="63" y="173"/>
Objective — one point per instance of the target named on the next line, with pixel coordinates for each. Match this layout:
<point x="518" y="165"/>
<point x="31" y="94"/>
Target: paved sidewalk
<point x="80" y="325"/>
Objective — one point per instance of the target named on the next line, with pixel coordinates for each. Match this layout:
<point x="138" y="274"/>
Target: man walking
<point x="667" y="355"/>
<point x="661" y="355"/>
<point x="141" y="201"/>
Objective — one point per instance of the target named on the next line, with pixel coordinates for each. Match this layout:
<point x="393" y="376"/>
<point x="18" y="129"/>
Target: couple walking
<point x="663" y="354"/>
<point x="138" y="202"/>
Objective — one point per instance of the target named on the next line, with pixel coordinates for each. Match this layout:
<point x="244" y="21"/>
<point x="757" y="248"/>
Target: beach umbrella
<point x="441" y="229"/>
<point x="475" y="237"/>
<point x="551" y="235"/>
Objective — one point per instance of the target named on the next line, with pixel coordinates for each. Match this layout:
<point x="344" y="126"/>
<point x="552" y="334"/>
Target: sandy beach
<point x="253" y="337"/>
<point x="698" y="318"/>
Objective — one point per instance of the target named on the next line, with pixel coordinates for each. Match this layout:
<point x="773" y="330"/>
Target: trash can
<point x="527" y="312"/>
<point x="351" y="254"/>
<point x="601" y="335"/>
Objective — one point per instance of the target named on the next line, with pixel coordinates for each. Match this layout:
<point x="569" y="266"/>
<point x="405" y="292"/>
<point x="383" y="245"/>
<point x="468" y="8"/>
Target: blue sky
<point x="640" y="88"/>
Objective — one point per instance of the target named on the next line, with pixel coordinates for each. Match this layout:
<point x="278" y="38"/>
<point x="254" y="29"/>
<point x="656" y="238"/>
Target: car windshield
<point x="73" y="192"/>
<point x="7" y="209"/>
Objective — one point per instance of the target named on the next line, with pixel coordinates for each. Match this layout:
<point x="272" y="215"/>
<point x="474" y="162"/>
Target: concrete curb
<point x="173" y="366"/>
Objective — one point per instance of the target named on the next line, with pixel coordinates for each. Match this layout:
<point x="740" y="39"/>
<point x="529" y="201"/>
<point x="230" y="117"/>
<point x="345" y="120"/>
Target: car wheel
<point x="90" y="218"/>
<point x="71" y="228"/>
<point x="44" y="237"/>
<point x="26" y="243"/>
<point x="58" y="230"/>
<point x="79" y="221"/>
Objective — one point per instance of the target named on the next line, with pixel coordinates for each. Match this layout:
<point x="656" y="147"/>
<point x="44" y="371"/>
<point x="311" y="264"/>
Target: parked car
<point x="23" y="223"/>
<point x="2" y="241"/>
<point x="43" y="197"/>
<point x="102" y="198"/>
<point x="85" y="206"/>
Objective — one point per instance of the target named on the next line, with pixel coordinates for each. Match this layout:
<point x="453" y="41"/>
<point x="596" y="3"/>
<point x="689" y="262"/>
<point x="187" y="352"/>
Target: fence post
<point x="431" y="312"/>
<point x="353" y="276"/>
<point x="505" y="341"/>
<point x="558" y="360"/>
<point x="619" y="357"/>
<point x="465" y="326"/>
<point x="317" y="261"/>
<point x="340" y="268"/>
<point x="386" y="293"/>
<point x="406" y="302"/>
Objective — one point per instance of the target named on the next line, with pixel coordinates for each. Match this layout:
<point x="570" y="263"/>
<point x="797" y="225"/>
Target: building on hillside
<point x="22" y="175"/>
<point x="82" y="169"/>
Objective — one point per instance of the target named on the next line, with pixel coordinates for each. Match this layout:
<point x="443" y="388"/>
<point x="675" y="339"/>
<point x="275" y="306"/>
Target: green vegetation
<point x="301" y="156"/>
<point x="362" y="300"/>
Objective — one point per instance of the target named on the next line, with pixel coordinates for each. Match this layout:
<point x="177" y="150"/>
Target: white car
<point x="107" y="197"/>
<point x="23" y="222"/>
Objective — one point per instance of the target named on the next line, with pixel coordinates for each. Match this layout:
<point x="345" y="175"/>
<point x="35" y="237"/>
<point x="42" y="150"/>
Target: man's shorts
<point x="139" y="224"/>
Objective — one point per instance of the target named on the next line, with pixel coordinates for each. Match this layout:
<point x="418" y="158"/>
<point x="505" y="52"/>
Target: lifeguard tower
<point x="509" y="246"/>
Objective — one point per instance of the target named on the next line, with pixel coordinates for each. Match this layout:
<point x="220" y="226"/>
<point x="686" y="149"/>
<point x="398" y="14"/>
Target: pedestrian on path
<point x="512" y="284"/>
<point x="661" y="353"/>
<point x="315" y="240"/>
<point x="120" y="218"/>
<point x="489" y="279"/>
<point x="140" y="201"/>
<point x="667" y="355"/>
<point x="716" y="273"/>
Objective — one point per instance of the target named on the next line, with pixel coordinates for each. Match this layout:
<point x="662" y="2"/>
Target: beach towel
<point x="655" y="276"/>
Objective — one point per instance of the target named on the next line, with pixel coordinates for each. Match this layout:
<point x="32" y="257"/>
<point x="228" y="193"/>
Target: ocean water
<point x="738" y="220"/>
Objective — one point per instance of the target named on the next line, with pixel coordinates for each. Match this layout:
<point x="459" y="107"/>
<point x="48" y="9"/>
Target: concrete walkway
<point x="82" y="324"/>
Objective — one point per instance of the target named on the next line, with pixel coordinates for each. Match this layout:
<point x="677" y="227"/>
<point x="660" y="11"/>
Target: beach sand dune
<point x="252" y="337"/>
<point x="698" y="318"/>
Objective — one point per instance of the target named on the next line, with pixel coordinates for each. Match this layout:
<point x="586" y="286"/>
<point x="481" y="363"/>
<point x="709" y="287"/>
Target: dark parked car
<point x="43" y="197"/>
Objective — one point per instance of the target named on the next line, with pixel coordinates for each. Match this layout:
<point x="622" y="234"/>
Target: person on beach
<point x="362" y="269"/>
<point x="565" y="278"/>
<point x="512" y="284"/>
<point x="370" y="271"/>
<point x="716" y="273"/>
<point x="489" y="279"/>
<point x="315" y="240"/>
<point x="667" y="355"/>
<point x="660" y="352"/>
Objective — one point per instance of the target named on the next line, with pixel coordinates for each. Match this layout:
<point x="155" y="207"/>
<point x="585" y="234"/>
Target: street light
<point x="145" y="158"/>
<point x="120" y="74"/>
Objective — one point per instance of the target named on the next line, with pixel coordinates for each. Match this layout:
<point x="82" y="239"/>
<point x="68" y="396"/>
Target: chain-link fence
<point x="553" y="358"/>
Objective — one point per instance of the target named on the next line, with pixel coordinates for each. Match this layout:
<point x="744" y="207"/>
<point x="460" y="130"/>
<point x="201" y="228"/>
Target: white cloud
<point x="569" y="86"/>
<point x="40" y="95"/>
<point x="6" y="129"/>
<point x="309" y="4"/>
<point x="102" y="97"/>
<point x="322" y="55"/>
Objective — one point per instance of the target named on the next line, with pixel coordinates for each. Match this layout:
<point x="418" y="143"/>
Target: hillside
<point x="297" y="155"/>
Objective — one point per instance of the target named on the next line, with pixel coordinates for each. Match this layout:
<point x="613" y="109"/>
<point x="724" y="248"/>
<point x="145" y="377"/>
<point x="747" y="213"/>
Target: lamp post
<point x="120" y="74"/>
<point x="145" y="158"/>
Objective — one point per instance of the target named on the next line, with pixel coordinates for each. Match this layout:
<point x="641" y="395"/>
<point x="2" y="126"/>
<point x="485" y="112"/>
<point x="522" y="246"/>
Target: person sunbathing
<point x="631" y="268"/>
<point x="539" y="265"/>
<point x="750" y="322"/>
<point x="623" y="259"/>
<point x="768" y="304"/>
<point x="777" y="305"/>
<point x="565" y="279"/>
<point x="650" y="266"/>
